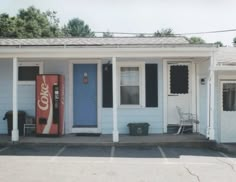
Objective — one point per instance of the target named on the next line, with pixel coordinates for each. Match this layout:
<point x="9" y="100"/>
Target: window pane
<point x="27" y="73"/>
<point x="129" y="76"/>
<point x="179" y="79"/>
<point x="129" y="95"/>
<point x="229" y="96"/>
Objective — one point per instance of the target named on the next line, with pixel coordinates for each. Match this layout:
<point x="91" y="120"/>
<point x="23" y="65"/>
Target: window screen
<point x="27" y="73"/>
<point x="179" y="82"/>
<point x="229" y="97"/>
<point x="129" y="85"/>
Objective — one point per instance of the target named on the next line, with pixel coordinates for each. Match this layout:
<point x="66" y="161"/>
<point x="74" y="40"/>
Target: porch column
<point x="211" y="96"/>
<point x="15" y="131"/>
<point x="114" y="85"/>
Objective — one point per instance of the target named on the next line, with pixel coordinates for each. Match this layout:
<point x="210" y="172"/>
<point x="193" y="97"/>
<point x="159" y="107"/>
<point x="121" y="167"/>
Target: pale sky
<point x="182" y="16"/>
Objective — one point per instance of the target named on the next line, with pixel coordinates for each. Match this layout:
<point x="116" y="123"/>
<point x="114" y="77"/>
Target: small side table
<point x="28" y="126"/>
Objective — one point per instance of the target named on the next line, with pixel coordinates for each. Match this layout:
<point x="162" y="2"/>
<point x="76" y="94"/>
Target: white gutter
<point x="51" y="52"/>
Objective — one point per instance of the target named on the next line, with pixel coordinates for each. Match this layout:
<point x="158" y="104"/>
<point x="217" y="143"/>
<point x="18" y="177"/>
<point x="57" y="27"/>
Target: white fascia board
<point x="50" y="52"/>
<point x="224" y="68"/>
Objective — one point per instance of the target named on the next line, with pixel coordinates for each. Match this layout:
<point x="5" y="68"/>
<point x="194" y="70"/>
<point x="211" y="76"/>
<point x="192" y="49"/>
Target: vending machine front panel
<point x="47" y="105"/>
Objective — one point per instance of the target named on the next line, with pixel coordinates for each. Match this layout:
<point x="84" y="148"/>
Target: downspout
<point x="115" y="133"/>
<point x="211" y="100"/>
<point x="15" y="131"/>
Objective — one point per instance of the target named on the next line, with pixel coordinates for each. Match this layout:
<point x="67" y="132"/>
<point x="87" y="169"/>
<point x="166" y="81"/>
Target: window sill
<point x="26" y="82"/>
<point x="131" y="107"/>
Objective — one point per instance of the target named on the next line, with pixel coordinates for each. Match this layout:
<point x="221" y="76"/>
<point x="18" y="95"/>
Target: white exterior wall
<point x="203" y="72"/>
<point x="5" y="92"/>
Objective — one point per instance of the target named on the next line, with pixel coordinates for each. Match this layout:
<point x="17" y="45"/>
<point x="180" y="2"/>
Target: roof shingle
<point x="94" y="41"/>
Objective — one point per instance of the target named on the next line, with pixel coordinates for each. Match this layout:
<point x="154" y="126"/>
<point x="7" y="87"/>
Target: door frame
<point x="71" y="97"/>
<point x="221" y="80"/>
<point x="194" y="96"/>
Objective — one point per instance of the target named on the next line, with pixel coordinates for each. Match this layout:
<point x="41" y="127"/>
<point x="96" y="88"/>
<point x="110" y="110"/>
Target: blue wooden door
<point x="85" y="95"/>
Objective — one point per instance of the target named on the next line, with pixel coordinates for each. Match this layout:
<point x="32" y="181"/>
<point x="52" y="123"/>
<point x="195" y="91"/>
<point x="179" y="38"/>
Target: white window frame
<point x="25" y="64"/>
<point x="142" y="99"/>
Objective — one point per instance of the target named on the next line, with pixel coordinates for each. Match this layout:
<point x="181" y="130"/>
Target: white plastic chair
<point x="186" y="119"/>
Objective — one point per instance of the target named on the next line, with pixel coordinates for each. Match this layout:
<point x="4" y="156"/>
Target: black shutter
<point x="151" y="85"/>
<point x="107" y="85"/>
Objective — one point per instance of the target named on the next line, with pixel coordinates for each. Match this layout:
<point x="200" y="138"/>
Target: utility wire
<point x="178" y="34"/>
<point x="127" y="33"/>
<point x="216" y="31"/>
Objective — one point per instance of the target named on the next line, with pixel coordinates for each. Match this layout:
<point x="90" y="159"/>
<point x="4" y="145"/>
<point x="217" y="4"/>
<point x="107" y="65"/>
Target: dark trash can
<point x="138" y="129"/>
<point x="21" y="121"/>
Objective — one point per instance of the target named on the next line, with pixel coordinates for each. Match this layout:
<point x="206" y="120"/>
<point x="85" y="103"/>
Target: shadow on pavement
<point x="117" y="152"/>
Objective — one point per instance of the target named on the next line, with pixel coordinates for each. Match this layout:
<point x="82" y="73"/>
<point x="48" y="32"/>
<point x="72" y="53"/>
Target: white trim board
<point x="104" y="52"/>
<point x="28" y="64"/>
<point x="165" y="95"/>
<point x="142" y="96"/>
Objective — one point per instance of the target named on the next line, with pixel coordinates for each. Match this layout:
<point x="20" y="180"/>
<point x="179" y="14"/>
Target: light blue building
<point x="110" y="82"/>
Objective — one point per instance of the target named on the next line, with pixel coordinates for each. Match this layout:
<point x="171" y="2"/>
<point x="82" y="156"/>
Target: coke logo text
<point x="43" y="101"/>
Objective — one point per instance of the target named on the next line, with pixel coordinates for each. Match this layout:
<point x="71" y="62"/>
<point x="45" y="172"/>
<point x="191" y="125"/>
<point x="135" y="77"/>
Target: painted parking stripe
<point x="112" y="153"/>
<point x="163" y="155"/>
<point x="58" y="153"/>
<point x="3" y="149"/>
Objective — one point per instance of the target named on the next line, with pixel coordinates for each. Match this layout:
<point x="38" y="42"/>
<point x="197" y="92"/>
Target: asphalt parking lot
<point x="38" y="163"/>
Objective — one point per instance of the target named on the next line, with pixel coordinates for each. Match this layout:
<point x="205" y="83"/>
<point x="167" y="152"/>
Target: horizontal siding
<point x="107" y="123"/>
<point x="26" y="99"/>
<point x="5" y="92"/>
<point x="153" y="116"/>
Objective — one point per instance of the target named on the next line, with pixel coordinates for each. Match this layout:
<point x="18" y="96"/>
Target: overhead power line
<point x="216" y="31"/>
<point x="127" y="33"/>
<point x="178" y="34"/>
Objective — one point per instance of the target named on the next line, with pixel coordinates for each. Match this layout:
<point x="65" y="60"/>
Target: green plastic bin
<point x="138" y="129"/>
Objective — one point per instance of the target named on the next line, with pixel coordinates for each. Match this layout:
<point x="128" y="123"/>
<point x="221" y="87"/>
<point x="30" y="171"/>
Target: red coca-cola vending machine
<point x="50" y="105"/>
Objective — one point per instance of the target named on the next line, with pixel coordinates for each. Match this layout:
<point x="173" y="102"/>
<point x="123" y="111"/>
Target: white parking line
<point x="58" y="153"/>
<point x="163" y="154"/>
<point x="112" y="153"/>
<point x="3" y="149"/>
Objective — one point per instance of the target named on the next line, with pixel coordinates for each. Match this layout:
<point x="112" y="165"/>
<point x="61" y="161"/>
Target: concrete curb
<point x="225" y="148"/>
